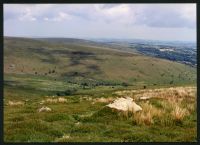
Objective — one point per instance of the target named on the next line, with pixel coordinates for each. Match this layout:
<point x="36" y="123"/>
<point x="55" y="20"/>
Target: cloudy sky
<point x="142" y="21"/>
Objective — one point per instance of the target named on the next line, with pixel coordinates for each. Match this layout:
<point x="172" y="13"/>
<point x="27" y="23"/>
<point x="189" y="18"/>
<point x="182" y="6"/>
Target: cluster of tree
<point x="52" y="71"/>
<point x="90" y="83"/>
<point x="125" y="84"/>
<point x="103" y="83"/>
<point x="49" y="72"/>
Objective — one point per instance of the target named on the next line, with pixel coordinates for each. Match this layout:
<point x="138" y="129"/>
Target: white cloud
<point x="168" y="16"/>
<point x="97" y="20"/>
<point x="118" y="13"/>
<point x="115" y="11"/>
<point x="61" y="16"/>
<point x="153" y="15"/>
<point x="27" y="15"/>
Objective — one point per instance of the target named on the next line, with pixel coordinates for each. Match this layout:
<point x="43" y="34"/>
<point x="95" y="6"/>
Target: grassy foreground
<point x="169" y="115"/>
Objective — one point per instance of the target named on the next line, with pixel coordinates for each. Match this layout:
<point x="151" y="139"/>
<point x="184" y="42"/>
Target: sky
<point x="170" y="22"/>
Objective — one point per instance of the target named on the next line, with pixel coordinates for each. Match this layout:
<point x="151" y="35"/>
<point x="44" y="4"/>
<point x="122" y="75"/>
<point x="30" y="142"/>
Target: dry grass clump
<point x="141" y="118"/>
<point x="169" y="113"/>
<point x="62" y="100"/>
<point x="15" y="103"/>
<point x="147" y="114"/>
<point x="173" y="93"/>
<point x="179" y="113"/>
<point x="49" y="100"/>
<point x="54" y="100"/>
<point x="176" y="103"/>
<point x="154" y="111"/>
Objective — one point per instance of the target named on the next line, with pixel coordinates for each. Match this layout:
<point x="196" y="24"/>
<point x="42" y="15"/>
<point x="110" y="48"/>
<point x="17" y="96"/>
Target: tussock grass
<point x="165" y="106"/>
<point x="166" y="116"/>
<point x="147" y="114"/>
<point x="143" y="118"/>
<point x="176" y="93"/>
<point x="178" y="114"/>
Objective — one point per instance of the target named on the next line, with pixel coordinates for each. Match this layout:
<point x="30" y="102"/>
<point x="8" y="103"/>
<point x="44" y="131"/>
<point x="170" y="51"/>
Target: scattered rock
<point x="125" y="104"/>
<point x="42" y="102"/>
<point x="66" y="136"/>
<point x="77" y="123"/>
<point x="12" y="66"/>
<point x="44" y="109"/>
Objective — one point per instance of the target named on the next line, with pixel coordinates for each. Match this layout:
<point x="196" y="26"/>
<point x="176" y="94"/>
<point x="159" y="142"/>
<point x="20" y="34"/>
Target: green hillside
<point x="80" y="62"/>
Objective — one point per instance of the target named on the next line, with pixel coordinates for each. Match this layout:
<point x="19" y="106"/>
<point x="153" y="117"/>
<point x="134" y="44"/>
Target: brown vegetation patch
<point x="165" y="105"/>
<point x="179" y="113"/>
<point x="15" y="103"/>
<point x="54" y="100"/>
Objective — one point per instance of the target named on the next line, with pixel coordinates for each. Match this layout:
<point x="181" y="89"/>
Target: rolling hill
<point x="91" y="62"/>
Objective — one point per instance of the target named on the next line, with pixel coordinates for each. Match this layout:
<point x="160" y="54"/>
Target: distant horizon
<point x="90" y="38"/>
